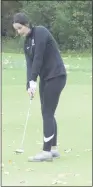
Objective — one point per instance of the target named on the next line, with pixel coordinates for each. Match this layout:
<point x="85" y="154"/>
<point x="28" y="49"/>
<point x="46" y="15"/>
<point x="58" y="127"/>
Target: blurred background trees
<point x="70" y="22"/>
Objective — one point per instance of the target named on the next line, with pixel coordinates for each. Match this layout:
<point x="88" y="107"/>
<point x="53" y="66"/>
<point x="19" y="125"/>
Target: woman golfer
<point x="43" y="59"/>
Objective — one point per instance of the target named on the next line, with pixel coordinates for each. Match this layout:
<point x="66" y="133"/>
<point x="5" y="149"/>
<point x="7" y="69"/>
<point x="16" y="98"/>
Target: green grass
<point x="12" y="45"/>
<point x="74" y="117"/>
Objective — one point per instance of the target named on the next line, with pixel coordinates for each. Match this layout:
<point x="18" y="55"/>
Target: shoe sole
<point x="46" y="160"/>
<point x="55" y="156"/>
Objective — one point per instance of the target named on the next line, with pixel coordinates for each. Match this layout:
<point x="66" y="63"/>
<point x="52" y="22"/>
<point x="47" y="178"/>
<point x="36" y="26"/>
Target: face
<point x="21" y="29"/>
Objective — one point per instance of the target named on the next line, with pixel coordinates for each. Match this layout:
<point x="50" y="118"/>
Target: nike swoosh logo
<point x="48" y="139"/>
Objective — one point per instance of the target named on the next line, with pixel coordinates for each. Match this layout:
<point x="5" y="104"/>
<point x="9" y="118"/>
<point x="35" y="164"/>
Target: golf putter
<point x="21" y="150"/>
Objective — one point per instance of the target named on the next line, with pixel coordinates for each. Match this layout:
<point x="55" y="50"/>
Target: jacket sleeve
<point x="40" y="45"/>
<point x="28" y="70"/>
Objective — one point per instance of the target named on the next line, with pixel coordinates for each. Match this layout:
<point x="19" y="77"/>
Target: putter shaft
<point x="25" y="125"/>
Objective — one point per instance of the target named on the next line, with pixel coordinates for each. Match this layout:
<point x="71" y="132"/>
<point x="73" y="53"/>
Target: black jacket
<point x="42" y="55"/>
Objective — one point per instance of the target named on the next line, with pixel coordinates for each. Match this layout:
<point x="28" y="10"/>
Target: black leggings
<point x="50" y="91"/>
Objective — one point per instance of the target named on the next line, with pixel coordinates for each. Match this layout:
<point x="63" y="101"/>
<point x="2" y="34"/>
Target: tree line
<point x="70" y="22"/>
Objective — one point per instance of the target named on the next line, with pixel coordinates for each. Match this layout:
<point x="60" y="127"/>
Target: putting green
<point x="74" y="117"/>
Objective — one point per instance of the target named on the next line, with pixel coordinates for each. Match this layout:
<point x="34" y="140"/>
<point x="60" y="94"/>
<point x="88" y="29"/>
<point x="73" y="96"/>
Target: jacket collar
<point x="30" y="34"/>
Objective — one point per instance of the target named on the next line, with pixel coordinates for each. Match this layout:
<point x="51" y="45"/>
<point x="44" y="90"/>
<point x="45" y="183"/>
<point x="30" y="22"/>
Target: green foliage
<point x="70" y="22"/>
<point x="8" y="10"/>
<point x="40" y="12"/>
<point x="73" y="25"/>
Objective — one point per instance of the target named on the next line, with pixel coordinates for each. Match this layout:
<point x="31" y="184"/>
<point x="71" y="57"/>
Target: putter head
<point x="19" y="151"/>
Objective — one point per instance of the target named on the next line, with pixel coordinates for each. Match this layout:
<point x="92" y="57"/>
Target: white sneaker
<point x="43" y="156"/>
<point x="55" y="153"/>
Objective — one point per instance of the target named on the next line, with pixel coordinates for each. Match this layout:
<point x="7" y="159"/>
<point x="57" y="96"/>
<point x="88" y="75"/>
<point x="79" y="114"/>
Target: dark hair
<point x="21" y="18"/>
